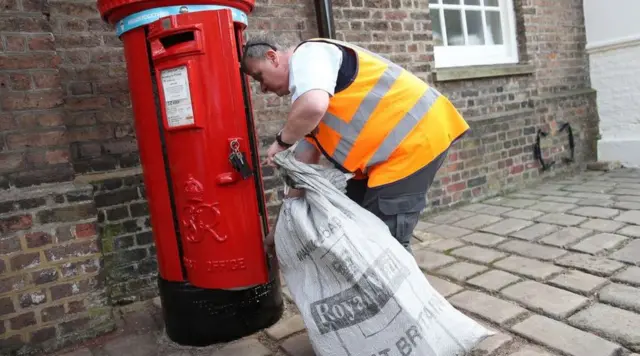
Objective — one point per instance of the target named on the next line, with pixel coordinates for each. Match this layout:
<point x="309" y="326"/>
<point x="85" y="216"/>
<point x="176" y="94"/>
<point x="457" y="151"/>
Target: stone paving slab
<point x="553" y="269"/>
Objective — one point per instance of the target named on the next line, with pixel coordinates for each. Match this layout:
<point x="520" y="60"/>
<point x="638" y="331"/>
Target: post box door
<point x="196" y="65"/>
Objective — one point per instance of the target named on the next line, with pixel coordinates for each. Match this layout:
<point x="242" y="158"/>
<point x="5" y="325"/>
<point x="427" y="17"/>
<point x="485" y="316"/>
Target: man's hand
<point x="274" y="149"/>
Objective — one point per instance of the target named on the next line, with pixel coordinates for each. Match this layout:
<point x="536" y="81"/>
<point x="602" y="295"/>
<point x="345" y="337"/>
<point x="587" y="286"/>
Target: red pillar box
<point x="199" y="154"/>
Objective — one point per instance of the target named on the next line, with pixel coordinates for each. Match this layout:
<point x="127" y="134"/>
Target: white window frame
<point x="475" y="55"/>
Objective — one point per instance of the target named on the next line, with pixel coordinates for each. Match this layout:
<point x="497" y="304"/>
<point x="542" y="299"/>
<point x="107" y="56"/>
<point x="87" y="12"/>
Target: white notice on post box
<point x="177" y="96"/>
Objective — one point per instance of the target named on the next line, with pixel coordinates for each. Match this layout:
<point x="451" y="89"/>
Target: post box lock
<point x="239" y="160"/>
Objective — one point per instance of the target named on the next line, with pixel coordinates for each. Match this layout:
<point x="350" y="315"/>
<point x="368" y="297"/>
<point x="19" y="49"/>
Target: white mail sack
<point x="359" y="291"/>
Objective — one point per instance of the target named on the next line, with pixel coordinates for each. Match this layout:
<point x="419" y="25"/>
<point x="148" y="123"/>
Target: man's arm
<point x="306" y="113"/>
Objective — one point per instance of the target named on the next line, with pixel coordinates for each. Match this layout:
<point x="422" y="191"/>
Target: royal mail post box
<point x="199" y="153"/>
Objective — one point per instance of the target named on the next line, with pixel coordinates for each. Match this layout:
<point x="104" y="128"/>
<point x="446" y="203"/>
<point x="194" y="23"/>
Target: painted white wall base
<point x="626" y="151"/>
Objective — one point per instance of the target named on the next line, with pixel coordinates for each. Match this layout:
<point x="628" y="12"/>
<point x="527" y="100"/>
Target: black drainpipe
<point x="324" y="16"/>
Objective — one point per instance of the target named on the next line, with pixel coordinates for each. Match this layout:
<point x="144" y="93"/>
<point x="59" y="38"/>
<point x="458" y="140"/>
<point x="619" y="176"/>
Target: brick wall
<point x="51" y="290"/>
<point x="65" y="112"/>
<point x="130" y="265"/>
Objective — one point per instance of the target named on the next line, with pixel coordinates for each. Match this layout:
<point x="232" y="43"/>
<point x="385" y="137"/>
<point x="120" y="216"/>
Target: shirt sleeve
<point x="314" y="65"/>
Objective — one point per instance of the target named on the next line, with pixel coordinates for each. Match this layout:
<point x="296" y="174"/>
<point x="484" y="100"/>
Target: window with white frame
<point x="473" y="32"/>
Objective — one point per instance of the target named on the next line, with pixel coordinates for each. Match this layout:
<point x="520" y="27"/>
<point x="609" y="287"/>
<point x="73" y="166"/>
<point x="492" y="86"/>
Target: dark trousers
<point x="400" y="203"/>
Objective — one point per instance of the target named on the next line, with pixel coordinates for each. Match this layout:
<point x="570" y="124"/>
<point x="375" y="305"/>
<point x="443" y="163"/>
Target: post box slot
<point x="176" y="39"/>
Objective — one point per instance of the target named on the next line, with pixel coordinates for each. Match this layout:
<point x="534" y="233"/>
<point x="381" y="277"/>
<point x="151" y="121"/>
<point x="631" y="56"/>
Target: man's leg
<point x="400" y="203"/>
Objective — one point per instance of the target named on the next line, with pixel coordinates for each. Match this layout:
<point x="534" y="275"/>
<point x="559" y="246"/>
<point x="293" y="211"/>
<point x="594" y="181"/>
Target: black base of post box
<point x="200" y="317"/>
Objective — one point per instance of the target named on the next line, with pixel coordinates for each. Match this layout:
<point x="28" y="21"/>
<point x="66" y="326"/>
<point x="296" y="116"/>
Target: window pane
<point x="436" y="27"/>
<point x="494" y="28"/>
<point x="475" y="28"/>
<point x="472" y="2"/>
<point x="491" y="2"/>
<point x="451" y="2"/>
<point x="453" y="24"/>
<point x="433" y="1"/>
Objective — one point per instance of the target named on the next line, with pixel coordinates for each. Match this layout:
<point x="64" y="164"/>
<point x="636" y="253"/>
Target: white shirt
<point x="314" y="65"/>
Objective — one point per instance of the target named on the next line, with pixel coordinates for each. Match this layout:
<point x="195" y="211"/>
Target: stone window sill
<point x="474" y="72"/>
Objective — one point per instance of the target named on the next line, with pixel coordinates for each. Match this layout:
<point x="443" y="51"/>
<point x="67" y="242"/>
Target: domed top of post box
<point x="113" y="11"/>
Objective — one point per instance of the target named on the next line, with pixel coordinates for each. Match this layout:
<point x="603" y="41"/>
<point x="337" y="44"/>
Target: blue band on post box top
<point x="148" y="16"/>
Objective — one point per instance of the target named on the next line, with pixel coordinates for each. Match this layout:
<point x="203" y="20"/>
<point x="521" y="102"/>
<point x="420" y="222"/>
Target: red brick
<point x="6" y="306"/>
<point x="80" y="88"/>
<point x="42" y="335"/>
<point x="456" y="187"/>
<point x="42" y="43"/>
<point x="29" y="61"/>
<point x="20" y="81"/>
<point x="107" y="55"/>
<point x="76" y="307"/>
<point x="37" y="139"/>
<point x="10" y="162"/>
<point x="85" y="230"/>
<point x="75" y="40"/>
<point x="33" y="100"/>
<point x="44" y="276"/>
<point x="87" y="103"/>
<point x="75" y="25"/>
<point x="46" y="80"/>
<point x="517" y="169"/>
<point x="34" y="5"/>
<point x="9" y="5"/>
<point x="7" y="122"/>
<point x="15" y="223"/>
<point x="9" y="245"/>
<point x="25" y="260"/>
<point x="15" y="43"/>
<point x="22" y="321"/>
<point x="38" y="239"/>
<point x="24" y="24"/>
<point x="74" y="9"/>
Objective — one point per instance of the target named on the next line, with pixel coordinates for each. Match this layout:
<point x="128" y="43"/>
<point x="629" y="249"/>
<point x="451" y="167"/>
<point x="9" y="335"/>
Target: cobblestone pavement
<point x="552" y="268"/>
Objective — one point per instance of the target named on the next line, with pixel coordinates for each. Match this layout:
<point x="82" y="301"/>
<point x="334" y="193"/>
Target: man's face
<point x="270" y="73"/>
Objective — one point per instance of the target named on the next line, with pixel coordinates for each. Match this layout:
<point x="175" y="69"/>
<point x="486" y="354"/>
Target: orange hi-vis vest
<point x="388" y="123"/>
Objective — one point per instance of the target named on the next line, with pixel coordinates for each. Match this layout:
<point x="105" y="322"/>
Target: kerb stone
<point x="528" y="267"/>
<point x="561" y="219"/>
<point x="602" y="225"/>
<point x="630" y="216"/>
<point x="546" y="299"/>
<point x="478" y="254"/>
<point x="285" y="328"/>
<point x="430" y="260"/>
<point x="595" y="212"/>
<point x="532" y="250"/>
<point x="445" y="288"/>
<point x="462" y="271"/>
<point x="578" y="282"/>
<point x="630" y="276"/>
<point x="507" y="226"/>
<point x="480" y="238"/>
<point x="621" y="296"/>
<point x="630" y="253"/>
<point x="564" y="338"/>
<point x="616" y="324"/>
<point x="592" y="264"/>
<point x="598" y="243"/>
<point x="477" y="221"/>
<point x="535" y="231"/>
<point x="565" y="237"/>
<point x="493" y="280"/>
<point x="530" y="351"/>
<point x="486" y="306"/>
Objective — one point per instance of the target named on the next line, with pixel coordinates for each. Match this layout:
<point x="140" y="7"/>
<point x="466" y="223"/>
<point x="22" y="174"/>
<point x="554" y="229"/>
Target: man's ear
<point x="272" y="57"/>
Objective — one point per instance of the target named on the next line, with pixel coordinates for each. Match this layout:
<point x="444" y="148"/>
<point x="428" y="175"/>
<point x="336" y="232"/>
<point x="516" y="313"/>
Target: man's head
<point x="267" y="63"/>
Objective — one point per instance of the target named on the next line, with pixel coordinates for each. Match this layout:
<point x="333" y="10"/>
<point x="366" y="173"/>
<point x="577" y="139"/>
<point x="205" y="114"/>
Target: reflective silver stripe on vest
<point x="350" y="131"/>
<point x="402" y="129"/>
